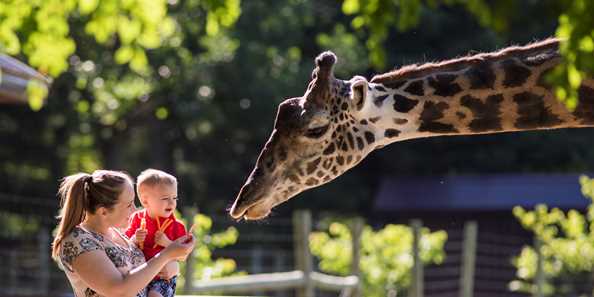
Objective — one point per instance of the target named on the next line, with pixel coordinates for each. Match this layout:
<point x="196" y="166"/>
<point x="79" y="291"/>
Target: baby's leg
<point x="153" y="293"/>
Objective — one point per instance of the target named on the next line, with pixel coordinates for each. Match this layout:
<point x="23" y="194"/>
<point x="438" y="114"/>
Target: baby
<point x="155" y="227"/>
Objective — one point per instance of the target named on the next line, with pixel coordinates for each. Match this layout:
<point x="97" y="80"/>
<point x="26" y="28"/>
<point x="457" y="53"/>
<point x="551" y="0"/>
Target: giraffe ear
<point x="358" y="91"/>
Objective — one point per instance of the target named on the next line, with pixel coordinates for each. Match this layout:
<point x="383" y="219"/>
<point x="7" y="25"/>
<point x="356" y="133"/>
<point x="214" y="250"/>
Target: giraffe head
<point x="316" y="138"/>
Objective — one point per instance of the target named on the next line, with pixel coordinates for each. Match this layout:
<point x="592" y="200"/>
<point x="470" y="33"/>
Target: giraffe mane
<point x="416" y="70"/>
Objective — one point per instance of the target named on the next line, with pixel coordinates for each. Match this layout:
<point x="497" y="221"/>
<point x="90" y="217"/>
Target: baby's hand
<point x="140" y="236"/>
<point x="162" y="239"/>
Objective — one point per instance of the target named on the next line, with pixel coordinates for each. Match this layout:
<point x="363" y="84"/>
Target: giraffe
<point x="337" y="123"/>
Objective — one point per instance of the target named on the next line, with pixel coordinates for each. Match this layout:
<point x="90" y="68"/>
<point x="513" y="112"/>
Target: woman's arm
<point x="170" y="270"/>
<point x="99" y="272"/>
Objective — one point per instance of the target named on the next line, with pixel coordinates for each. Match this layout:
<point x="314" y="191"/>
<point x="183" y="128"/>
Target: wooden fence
<point x="303" y="279"/>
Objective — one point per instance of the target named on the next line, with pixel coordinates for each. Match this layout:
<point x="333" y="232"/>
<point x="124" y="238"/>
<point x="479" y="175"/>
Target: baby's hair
<point x="153" y="177"/>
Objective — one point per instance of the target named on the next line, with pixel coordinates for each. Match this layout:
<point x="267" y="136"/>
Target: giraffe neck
<point x="487" y="93"/>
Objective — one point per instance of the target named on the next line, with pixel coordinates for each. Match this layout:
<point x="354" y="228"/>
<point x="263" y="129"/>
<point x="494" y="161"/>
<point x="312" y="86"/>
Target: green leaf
<point x="37" y="92"/>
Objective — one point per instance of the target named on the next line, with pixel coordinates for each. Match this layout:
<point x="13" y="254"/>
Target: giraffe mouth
<point x="256" y="210"/>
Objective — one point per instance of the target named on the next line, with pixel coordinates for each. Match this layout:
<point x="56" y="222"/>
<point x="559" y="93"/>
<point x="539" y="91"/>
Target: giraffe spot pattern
<point x="399" y="121"/>
<point x="374" y="119"/>
<point x="395" y="84"/>
<point x="380" y="88"/>
<point x="415" y="88"/>
<point x="486" y="115"/>
<point x="369" y="137"/>
<point x="533" y="113"/>
<point x="390" y="133"/>
<point x="379" y="100"/>
<point x="311" y="166"/>
<point x="403" y="104"/>
<point x="444" y="85"/>
<point x="330" y="149"/>
<point x="360" y="144"/>
<point x="431" y="113"/>
<point x="481" y="76"/>
<point x="515" y="74"/>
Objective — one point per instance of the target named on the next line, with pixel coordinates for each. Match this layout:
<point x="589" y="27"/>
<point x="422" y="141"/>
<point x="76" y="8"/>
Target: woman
<point x="97" y="258"/>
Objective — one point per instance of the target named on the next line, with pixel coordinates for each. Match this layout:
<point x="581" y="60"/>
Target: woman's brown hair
<point x="81" y="193"/>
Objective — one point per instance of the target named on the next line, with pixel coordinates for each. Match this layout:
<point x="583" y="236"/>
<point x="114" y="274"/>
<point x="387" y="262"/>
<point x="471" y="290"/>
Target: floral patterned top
<point x="80" y="241"/>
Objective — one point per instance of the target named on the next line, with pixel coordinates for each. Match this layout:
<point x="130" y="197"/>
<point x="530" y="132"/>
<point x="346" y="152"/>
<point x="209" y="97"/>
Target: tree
<point x="386" y="255"/>
<point x="567" y="248"/>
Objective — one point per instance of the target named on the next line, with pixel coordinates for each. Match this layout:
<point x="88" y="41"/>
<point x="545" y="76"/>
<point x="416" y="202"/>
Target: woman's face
<point x="123" y="209"/>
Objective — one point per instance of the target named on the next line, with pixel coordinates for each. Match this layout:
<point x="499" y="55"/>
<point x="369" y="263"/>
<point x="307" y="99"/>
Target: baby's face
<point x="160" y="200"/>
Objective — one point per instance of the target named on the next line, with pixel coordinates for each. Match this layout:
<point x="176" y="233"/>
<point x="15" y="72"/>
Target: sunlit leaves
<point x="386" y="255"/>
<point x="576" y="29"/>
<point x="36" y="92"/>
<point x="205" y="267"/>
<point x="567" y="244"/>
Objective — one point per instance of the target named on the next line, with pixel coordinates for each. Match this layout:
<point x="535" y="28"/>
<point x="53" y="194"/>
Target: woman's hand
<point x="162" y="239"/>
<point x="170" y="270"/>
<point x="180" y="248"/>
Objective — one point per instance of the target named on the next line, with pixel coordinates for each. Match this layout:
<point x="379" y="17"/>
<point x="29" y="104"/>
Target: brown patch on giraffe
<point x="351" y="140"/>
<point x="395" y="84"/>
<point x="282" y="153"/>
<point x="363" y="122"/>
<point x="349" y="159"/>
<point x="374" y="119"/>
<point x="360" y="144"/>
<point x="379" y="100"/>
<point x="381" y="89"/>
<point x="320" y="174"/>
<point x="431" y="113"/>
<point x="327" y="163"/>
<point x="515" y="74"/>
<point x="330" y="149"/>
<point x="533" y="113"/>
<point x="415" y="88"/>
<point x="311" y="166"/>
<point x="369" y="137"/>
<point x="444" y="85"/>
<point x="486" y="115"/>
<point x="460" y="115"/>
<point x="294" y="178"/>
<point x="339" y="160"/>
<point x="403" y="104"/>
<point x="311" y="181"/>
<point x="390" y="133"/>
<point x="481" y="76"/>
<point x="343" y="146"/>
<point x="585" y="108"/>
<point x="399" y="121"/>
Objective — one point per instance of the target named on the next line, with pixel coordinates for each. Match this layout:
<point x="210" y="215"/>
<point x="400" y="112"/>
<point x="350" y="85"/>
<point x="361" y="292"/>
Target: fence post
<point x="356" y="231"/>
<point x="303" y="260"/>
<point x="468" y="259"/>
<point x="539" y="277"/>
<point x="189" y="213"/>
<point x="43" y="240"/>
<point x="417" y="271"/>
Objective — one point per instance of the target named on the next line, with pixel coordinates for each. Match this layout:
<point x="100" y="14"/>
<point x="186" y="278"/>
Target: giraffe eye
<point x="316" y="132"/>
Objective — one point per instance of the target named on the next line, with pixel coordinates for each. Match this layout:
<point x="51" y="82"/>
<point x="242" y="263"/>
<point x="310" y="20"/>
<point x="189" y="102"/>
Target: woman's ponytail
<point x="74" y="201"/>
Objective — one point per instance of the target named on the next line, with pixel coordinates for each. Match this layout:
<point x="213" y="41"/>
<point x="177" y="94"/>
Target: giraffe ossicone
<point x="337" y="123"/>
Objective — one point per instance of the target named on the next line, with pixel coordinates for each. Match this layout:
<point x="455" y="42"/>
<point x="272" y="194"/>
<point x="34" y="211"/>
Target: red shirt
<point x="175" y="230"/>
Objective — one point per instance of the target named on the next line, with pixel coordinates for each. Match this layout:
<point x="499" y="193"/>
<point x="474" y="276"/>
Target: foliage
<point x="14" y="225"/>
<point x="205" y="267"/>
<point x="567" y="246"/>
<point x="386" y="255"/>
